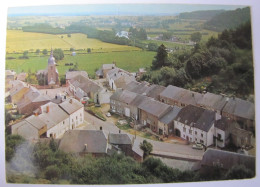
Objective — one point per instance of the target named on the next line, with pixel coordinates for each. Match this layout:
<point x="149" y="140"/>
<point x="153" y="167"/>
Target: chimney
<point x="86" y="146"/>
<point x="217" y="116"/>
<point x="36" y="113"/>
<point x="47" y="109"/>
<point x="100" y="128"/>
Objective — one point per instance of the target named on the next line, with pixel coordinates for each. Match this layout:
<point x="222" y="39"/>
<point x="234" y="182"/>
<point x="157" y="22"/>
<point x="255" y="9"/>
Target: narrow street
<point x="159" y="148"/>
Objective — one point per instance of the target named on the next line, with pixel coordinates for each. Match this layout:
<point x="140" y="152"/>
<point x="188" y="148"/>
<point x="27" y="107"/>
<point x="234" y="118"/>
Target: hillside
<point x="200" y="15"/>
<point x="228" y="19"/>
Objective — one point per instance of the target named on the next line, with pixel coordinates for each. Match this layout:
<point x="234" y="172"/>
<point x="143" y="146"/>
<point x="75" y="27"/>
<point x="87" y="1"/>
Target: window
<point x="201" y="135"/>
<point x="190" y="131"/>
<point x="219" y="136"/>
<point x="63" y="122"/>
<point x="195" y="132"/>
<point x="190" y="139"/>
<point x="80" y="114"/>
<point x="201" y="141"/>
<point x="196" y="139"/>
<point x="76" y="117"/>
<point x="184" y="129"/>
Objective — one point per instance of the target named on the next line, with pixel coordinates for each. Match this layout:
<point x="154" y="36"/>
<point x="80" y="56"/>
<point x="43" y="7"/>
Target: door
<point x="177" y="132"/>
<point x="127" y="112"/>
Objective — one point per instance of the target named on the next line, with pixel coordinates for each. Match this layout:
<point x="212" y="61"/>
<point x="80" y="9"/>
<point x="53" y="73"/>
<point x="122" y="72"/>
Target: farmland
<point x="19" y="41"/>
<point x="130" y="61"/>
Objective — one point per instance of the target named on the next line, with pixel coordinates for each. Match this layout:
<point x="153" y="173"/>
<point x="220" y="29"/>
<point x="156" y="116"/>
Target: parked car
<point x="198" y="146"/>
<point x="108" y="114"/>
<point x="84" y="100"/>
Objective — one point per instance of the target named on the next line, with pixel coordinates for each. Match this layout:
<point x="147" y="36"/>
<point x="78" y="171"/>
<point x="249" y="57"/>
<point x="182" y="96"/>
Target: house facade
<point x="195" y="124"/>
<point x="81" y="86"/>
<point x="51" y="120"/>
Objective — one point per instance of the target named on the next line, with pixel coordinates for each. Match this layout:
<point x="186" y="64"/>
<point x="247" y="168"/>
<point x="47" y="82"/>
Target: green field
<point x="18" y="41"/>
<point x="129" y="61"/>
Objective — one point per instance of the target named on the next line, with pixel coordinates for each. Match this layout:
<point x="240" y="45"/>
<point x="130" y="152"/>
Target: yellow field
<point x="19" y="41"/>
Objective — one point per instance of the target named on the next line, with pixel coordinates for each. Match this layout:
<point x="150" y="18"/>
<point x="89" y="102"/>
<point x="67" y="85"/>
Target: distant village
<point x="204" y="123"/>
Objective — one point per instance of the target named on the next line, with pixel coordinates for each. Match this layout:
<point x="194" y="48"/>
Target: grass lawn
<point x="167" y="44"/>
<point x="130" y="61"/>
<point x="19" y="41"/>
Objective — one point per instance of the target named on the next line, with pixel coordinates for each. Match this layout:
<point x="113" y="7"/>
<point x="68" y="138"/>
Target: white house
<point x="51" y="120"/>
<point x="195" y="124"/>
<point x="118" y="78"/>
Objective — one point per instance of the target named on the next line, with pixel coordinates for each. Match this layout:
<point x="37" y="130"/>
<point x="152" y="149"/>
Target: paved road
<point x="168" y="149"/>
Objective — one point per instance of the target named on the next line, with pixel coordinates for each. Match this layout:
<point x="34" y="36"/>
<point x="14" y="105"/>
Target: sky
<point x="114" y="9"/>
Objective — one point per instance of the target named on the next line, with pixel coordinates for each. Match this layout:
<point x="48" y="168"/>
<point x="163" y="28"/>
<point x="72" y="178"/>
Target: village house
<point x="137" y="87"/>
<point x="115" y="80"/>
<point x="122" y="34"/>
<point x="22" y="76"/>
<point x="50" y="120"/>
<point x="98" y="143"/>
<point x="196" y="124"/>
<point x="241" y="111"/>
<point x="166" y="123"/>
<point x="82" y="142"/>
<point x="173" y="95"/>
<point x="223" y="127"/>
<point x="241" y="138"/>
<point x="212" y="102"/>
<point x="31" y="100"/>
<point x="120" y="100"/>
<point x="71" y="74"/>
<point x="10" y="75"/>
<point x="81" y="86"/>
<point x="18" y="90"/>
<point x="150" y="113"/>
<point x="102" y="72"/>
<point x="225" y="160"/>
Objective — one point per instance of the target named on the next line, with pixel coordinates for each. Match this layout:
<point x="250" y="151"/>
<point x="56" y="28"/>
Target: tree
<point x="11" y="142"/>
<point x="161" y="58"/>
<point x="196" y="37"/>
<point x="58" y="54"/>
<point x="69" y="35"/>
<point x="71" y="49"/>
<point x="63" y="80"/>
<point x="45" y="52"/>
<point x="89" y="50"/>
<point x="152" y="47"/>
<point x="37" y="51"/>
<point x="147" y="147"/>
<point x="52" y="172"/>
<point x="239" y="172"/>
<point x="167" y="36"/>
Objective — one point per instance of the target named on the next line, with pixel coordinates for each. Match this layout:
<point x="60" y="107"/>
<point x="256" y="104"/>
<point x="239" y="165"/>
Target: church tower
<point x="53" y="75"/>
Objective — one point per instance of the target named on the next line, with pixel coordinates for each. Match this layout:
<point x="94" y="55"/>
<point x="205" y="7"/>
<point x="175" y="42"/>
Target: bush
<point x="52" y="172"/>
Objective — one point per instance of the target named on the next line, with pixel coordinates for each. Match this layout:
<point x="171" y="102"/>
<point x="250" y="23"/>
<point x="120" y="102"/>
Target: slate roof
<point x="240" y="132"/>
<point x="21" y="76"/>
<point x="116" y="73"/>
<point x="124" y="96"/>
<point x="241" y="108"/>
<point x="74" y="141"/>
<point x="197" y="117"/>
<point x="71" y="74"/>
<point x="136" y="148"/>
<point x="108" y="66"/>
<point x="85" y="84"/>
<point x="119" y="139"/>
<point x="137" y="87"/>
<point x="227" y="159"/>
<point x="182" y="95"/>
<point x="42" y="71"/>
<point x="123" y="80"/>
<point x="71" y="105"/>
<point x="9" y="72"/>
<point x="18" y="86"/>
<point x="99" y="72"/>
<point x="216" y="102"/>
<point x="154" y="91"/>
<point x="170" y="116"/>
<point x="138" y="100"/>
<point x="35" y="121"/>
<point x="223" y="123"/>
<point x="154" y="107"/>
<point x="54" y="116"/>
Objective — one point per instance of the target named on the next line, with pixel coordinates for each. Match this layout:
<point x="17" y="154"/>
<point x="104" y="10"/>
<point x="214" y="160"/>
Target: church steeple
<point x="51" y="60"/>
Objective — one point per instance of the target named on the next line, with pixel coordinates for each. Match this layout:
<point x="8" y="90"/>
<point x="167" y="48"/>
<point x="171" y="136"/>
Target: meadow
<point x="19" y="41"/>
<point x="129" y="60"/>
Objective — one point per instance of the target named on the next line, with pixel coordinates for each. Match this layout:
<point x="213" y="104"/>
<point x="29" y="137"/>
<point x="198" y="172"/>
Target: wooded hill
<point x="200" y="15"/>
<point x="228" y="19"/>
